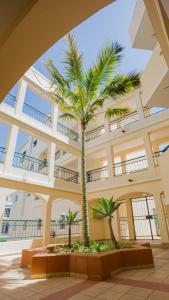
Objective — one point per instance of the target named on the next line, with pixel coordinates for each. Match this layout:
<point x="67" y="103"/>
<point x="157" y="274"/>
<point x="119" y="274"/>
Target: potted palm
<point x="105" y="209"/>
<point x="80" y="94"/>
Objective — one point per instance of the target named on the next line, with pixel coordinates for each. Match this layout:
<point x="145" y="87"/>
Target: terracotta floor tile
<point x="159" y="295"/>
<point x="140" y="291"/>
<point x="80" y="297"/>
<point x="110" y="295"/>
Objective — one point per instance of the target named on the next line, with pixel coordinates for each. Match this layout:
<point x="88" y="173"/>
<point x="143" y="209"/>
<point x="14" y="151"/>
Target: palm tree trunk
<point x="112" y="234"/>
<point x="85" y="204"/>
<point x="70" y="234"/>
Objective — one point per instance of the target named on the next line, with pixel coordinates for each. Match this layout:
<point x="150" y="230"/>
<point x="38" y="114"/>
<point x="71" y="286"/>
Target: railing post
<point x="10" y="149"/>
<point x="139" y="105"/>
<point x="110" y="159"/>
<point x="54" y="115"/>
<point x="20" y="98"/>
<point x="47" y="221"/>
<point x="130" y="219"/>
<point x="51" y="161"/>
<point x="149" y="152"/>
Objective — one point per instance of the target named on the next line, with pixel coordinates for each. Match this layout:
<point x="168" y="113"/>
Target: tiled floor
<point x="142" y="284"/>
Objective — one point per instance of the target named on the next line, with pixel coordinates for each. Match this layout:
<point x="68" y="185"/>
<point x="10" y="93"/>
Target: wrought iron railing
<point x="124" y="121"/>
<point x="62" y="229"/>
<point x="10" y="100"/>
<point x="2" y="154"/>
<point x="68" y="132"/>
<point x="66" y="174"/>
<point x="29" y="163"/>
<point x="20" y="229"/>
<point x="37" y="115"/>
<point x="93" y="134"/>
<point x="131" y="166"/>
<point x="149" y="111"/>
<point x="98" y="174"/>
<point x="29" y="229"/>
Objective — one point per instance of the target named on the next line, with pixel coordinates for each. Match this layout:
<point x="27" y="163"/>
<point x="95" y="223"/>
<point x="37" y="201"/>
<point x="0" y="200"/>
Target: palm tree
<point x="70" y="219"/>
<point x="80" y="94"/>
<point x="105" y="209"/>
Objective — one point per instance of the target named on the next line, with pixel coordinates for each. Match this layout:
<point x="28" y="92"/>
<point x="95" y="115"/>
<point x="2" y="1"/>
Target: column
<point x="51" y="161"/>
<point x="47" y="221"/>
<point x="161" y="219"/>
<point x="123" y="165"/>
<point x="21" y="96"/>
<point x="130" y="219"/>
<point x="110" y="161"/>
<point x="139" y="106"/>
<point x="149" y="152"/>
<point x="54" y="115"/>
<point x="11" y="145"/>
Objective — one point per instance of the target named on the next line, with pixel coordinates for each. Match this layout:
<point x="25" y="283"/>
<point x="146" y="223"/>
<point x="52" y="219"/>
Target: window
<point x="16" y="198"/>
<point x="7" y="212"/>
<point x="62" y="221"/>
<point x="5" y="228"/>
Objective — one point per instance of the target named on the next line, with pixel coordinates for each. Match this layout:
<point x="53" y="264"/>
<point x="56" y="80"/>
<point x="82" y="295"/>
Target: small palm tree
<point x="70" y="219"/>
<point x="81" y="95"/>
<point x="105" y="209"/>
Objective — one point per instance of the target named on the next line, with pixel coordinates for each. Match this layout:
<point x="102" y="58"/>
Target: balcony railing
<point x="37" y="115"/>
<point x="131" y="166"/>
<point x="92" y="134"/>
<point x="68" y="132"/>
<point x="98" y="174"/>
<point x="30" y="229"/>
<point x="66" y="174"/>
<point x="10" y="100"/>
<point x="29" y="163"/>
<point x="20" y="229"/>
<point x="150" y="111"/>
<point x="62" y="229"/>
<point x="2" y="154"/>
<point x="124" y="121"/>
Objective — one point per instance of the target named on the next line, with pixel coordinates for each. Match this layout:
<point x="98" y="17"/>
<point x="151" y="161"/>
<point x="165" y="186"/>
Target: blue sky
<point x="111" y="24"/>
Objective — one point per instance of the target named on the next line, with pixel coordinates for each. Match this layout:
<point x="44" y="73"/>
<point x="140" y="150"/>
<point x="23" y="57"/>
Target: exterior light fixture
<point x="130" y="180"/>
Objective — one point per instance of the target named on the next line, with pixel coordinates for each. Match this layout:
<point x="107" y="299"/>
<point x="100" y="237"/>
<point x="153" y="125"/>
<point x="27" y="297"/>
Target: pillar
<point x="139" y="105"/>
<point x="10" y="149"/>
<point x="149" y="152"/>
<point x="161" y="219"/>
<point x="21" y="96"/>
<point x="47" y="221"/>
<point x="130" y="219"/>
<point x="54" y="115"/>
<point x="51" y="161"/>
<point x="123" y="165"/>
<point x="110" y="161"/>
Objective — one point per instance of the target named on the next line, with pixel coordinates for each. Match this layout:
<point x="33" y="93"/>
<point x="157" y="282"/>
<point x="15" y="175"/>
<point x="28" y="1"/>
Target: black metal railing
<point x="68" y="132"/>
<point x="37" y="115"/>
<point x="2" y="154"/>
<point x="20" y="229"/>
<point x="10" y="100"/>
<point x="93" y="134"/>
<point x="131" y="166"/>
<point x="157" y="154"/>
<point x="124" y="121"/>
<point x="149" y="111"/>
<point x="66" y="174"/>
<point x="62" y="229"/>
<point x="98" y="174"/>
<point x="29" y="163"/>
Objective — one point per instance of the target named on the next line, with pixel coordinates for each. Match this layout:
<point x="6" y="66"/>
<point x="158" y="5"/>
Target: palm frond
<point x="67" y="116"/>
<point x="116" y="112"/>
<point x="123" y="84"/>
<point x="73" y="63"/>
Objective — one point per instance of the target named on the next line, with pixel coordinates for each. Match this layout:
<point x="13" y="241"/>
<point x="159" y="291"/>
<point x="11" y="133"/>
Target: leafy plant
<point x="105" y="209"/>
<point x="70" y="219"/>
<point x="81" y="94"/>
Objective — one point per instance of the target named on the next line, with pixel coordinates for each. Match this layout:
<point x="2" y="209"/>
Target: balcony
<point x="66" y="174"/>
<point x="141" y="30"/>
<point x="131" y="166"/>
<point x="2" y="154"/>
<point x="154" y="81"/>
<point x="29" y="163"/>
<point x="93" y="134"/>
<point x="98" y="174"/>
